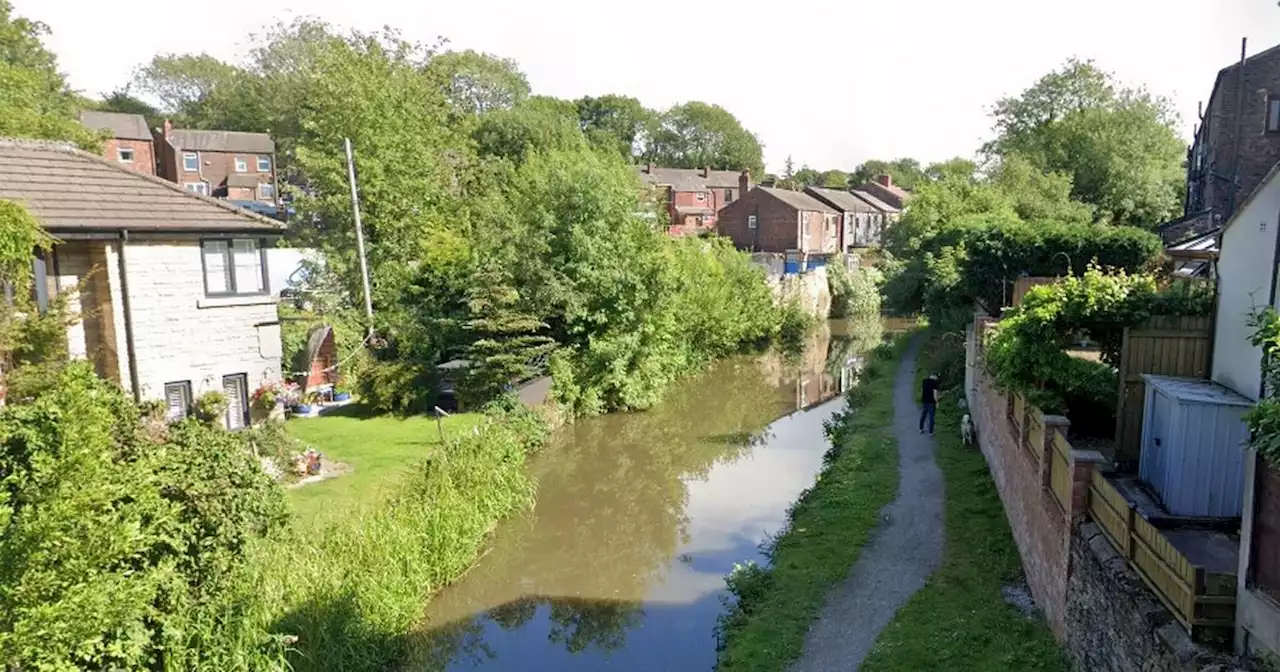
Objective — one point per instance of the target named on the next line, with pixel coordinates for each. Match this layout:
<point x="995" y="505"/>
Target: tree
<point x="905" y="172"/>
<point x="806" y="177"/>
<point x="834" y="179"/>
<point x="476" y="83"/>
<point x="694" y="135"/>
<point x="957" y="168"/>
<point x="122" y="101"/>
<point x="184" y="84"/>
<point x="1119" y="145"/>
<point x="615" y="123"/>
<point x="35" y="101"/>
<point x="506" y="340"/>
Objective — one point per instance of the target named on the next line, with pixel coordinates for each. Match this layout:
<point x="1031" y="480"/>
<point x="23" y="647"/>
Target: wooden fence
<point x="1060" y="468"/>
<point x="1167" y="346"/>
<point x="1197" y="598"/>
<point x="1023" y="285"/>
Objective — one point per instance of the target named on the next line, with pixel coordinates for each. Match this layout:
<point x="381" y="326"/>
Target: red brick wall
<point x="144" y="160"/>
<point x="1259" y="150"/>
<point x="215" y="167"/>
<point x="1040" y="528"/>
<point x="779" y="228"/>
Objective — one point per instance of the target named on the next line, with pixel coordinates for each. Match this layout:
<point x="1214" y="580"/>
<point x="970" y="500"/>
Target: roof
<point x="1204" y="241"/>
<point x="689" y="179"/>
<point x="840" y="199"/>
<point x="887" y="193"/>
<point x="797" y="199"/>
<point x="121" y="126"/>
<point x="1196" y="390"/>
<point x="242" y="180"/>
<point x="1244" y="205"/>
<point x="221" y="141"/>
<point x="875" y="202"/>
<point x="1271" y="51"/>
<point x="694" y="210"/>
<point x="69" y="190"/>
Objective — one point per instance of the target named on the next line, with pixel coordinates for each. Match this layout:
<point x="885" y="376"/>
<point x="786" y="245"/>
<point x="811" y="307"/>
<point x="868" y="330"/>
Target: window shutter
<point x="174" y="400"/>
<point x="234" y="389"/>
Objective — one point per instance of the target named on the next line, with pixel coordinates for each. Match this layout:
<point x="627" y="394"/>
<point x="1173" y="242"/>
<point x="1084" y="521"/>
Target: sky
<point x="829" y="84"/>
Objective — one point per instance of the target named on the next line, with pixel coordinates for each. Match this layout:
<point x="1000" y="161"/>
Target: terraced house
<point x="693" y="197"/>
<point x="236" y="166"/>
<point x="171" y="287"/>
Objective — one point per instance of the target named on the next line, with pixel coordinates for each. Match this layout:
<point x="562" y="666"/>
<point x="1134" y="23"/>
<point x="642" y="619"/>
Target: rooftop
<point x="221" y="141"/>
<point x="689" y="179"/>
<point x="121" y="126"/>
<point x="841" y="200"/>
<point x="797" y="199"/>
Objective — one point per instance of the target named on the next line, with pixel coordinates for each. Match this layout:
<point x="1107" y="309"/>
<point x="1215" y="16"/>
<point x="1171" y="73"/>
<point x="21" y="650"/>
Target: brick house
<point x="883" y="189"/>
<point x="1237" y="140"/>
<point x="692" y="197"/>
<point x="171" y="288"/>
<point x="129" y="139"/>
<point x="862" y="222"/>
<point x="766" y="219"/>
<point x="223" y="164"/>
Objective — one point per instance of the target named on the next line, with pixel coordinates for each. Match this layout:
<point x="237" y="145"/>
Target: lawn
<point x="830" y="523"/>
<point x="960" y="620"/>
<point x="379" y="448"/>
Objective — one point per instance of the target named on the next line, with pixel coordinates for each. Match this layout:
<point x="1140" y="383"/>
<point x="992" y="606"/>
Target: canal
<point x="639" y="517"/>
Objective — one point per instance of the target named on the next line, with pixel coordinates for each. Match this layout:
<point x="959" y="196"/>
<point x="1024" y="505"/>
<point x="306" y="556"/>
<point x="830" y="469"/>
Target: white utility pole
<point x="364" y="265"/>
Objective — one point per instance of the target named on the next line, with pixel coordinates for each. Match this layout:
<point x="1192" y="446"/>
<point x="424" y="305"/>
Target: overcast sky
<point x="829" y="83"/>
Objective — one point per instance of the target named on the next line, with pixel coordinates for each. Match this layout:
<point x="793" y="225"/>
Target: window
<point x="1273" y="115"/>
<point x="177" y="400"/>
<point x="233" y="267"/>
<point x="236" y="389"/>
<point x="190" y="162"/>
<point x="197" y="188"/>
<point x="40" y="282"/>
<point x="700" y="196"/>
<point x="264" y="164"/>
<point x="124" y="154"/>
<point x="242" y="164"/>
<point x="267" y="191"/>
<point x="751" y="221"/>
<point x="728" y="195"/>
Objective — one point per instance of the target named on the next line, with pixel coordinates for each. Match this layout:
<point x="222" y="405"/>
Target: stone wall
<point x="811" y="288"/>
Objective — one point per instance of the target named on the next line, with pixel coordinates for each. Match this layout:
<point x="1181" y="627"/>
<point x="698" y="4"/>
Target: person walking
<point x="928" y="402"/>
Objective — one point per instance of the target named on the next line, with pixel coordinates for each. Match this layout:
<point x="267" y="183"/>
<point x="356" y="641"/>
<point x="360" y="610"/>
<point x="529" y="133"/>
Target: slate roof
<point x="892" y="195"/>
<point x="221" y="141"/>
<point x="241" y="180"/>
<point x="689" y="179"/>
<point x="70" y="191"/>
<point x="121" y="126"/>
<point x="797" y="199"/>
<point x="875" y="202"/>
<point x="841" y="200"/>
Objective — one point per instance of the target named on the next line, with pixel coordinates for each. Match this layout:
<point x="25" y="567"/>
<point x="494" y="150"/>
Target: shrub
<point x="210" y="407"/>
<point x="854" y="293"/>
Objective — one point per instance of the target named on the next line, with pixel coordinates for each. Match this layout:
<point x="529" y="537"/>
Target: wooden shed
<point x="320" y="359"/>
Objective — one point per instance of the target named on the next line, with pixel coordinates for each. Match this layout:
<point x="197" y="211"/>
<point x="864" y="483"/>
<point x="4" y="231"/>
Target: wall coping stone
<point x="1089" y="456"/>
<point x="1056" y="421"/>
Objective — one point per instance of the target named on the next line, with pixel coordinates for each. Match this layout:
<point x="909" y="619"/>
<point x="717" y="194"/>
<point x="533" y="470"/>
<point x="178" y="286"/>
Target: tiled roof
<point x="892" y="194"/>
<point x="689" y="179"/>
<point x="221" y="141"/>
<point x="69" y="190"/>
<point x="841" y="200"/>
<point x="797" y="199"/>
<point x="875" y="202"/>
<point x="242" y="180"/>
<point x="121" y="126"/>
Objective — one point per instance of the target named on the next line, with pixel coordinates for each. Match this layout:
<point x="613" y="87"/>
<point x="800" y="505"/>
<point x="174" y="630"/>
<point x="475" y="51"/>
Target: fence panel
<point x="1035" y="433"/>
<point x="1168" y="346"/>
<point x="1112" y="513"/>
<point x="1060" y="468"/>
<point x="1165" y="570"/>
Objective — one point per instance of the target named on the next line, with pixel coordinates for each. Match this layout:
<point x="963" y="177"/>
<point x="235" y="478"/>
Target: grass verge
<point x="960" y="620"/>
<point x="381" y="449"/>
<point x="765" y="626"/>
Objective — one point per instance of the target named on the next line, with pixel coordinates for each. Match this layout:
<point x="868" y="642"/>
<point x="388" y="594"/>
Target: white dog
<point x="966" y="429"/>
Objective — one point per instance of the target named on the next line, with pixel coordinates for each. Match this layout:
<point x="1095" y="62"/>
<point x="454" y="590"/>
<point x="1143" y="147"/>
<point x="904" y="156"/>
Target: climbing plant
<point x="1263" y="419"/>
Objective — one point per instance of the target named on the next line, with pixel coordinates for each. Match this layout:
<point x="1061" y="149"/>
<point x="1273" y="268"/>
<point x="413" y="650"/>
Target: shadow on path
<point x="903" y="552"/>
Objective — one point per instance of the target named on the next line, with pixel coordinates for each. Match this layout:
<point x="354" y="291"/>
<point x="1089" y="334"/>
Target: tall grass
<point x="344" y="596"/>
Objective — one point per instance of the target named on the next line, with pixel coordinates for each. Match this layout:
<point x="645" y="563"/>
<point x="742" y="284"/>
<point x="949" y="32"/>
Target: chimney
<point x="706" y="171"/>
<point x="885" y="180"/>
<point x="744" y="183"/>
<point x="650" y="168"/>
<point x="168" y="127"/>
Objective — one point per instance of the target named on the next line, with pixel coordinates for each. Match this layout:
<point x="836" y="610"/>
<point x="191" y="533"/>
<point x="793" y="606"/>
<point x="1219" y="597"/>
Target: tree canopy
<point x="697" y="134"/>
<point x="35" y="100"/>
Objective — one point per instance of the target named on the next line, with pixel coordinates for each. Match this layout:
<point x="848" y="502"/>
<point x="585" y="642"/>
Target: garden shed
<point x="1193" y="442"/>
<point x="321" y="359"/>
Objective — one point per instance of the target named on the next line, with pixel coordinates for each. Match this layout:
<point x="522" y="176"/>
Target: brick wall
<point x="1259" y="150"/>
<point x="779" y="226"/>
<point x="215" y="167"/>
<point x="144" y="159"/>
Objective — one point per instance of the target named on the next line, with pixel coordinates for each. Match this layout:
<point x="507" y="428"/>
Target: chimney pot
<point x="744" y="183"/>
<point x="706" y="171"/>
<point x="652" y="167"/>
<point x="885" y="180"/>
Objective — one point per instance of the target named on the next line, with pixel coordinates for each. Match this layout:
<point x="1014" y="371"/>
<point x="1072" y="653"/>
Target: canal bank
<point x="639" y="517"/>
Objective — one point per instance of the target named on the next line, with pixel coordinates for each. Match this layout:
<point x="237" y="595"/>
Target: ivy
<point x="1263" y="419"/>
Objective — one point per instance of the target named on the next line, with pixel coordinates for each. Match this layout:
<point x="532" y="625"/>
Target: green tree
<point x="834" y="179"/>
<point x="807" y="177"/>
<point x="35" y="101"/>
<point x="476" y="83"/>
<point x="122" y="101"/>
<point x="615" y="123"/>
<point x="1119" y="145"/>
<point x="957" y="168"/>
<point x="506" y="341"/>
<point x="905" y="172"/>
<point x="698" y="134"/>
<point x="185" y="85"/>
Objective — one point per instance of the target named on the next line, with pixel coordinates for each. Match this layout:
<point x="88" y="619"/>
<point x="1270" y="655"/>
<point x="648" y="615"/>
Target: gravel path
<point x="901" y="554"/>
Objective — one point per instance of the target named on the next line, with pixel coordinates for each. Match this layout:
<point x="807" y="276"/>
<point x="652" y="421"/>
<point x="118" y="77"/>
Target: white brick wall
<point x="176" y="339"/>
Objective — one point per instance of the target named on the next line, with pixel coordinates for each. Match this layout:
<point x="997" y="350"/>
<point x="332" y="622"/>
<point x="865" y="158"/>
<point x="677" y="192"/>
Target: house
<point x="1247" y="281"/>
<point x="766" y="219"/>
<point x="1195" y="257"/>
<point x="862" y="221"/>
<point x="171" y="287"/>
<point x="128" y="139"/>
<point x="692" y="196"/>
<point x="224" y="164"/>
<point x="883" y="189"/>
<point x="1238" y="138"/>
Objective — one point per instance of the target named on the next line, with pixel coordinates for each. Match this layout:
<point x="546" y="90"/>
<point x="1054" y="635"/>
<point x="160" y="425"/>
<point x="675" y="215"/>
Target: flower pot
<point x="302" y="409"/>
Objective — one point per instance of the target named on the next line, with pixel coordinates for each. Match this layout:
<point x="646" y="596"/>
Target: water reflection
<point x="640" y="516"/>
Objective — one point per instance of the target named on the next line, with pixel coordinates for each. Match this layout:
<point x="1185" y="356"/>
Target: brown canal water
<point x="639" y="517"/>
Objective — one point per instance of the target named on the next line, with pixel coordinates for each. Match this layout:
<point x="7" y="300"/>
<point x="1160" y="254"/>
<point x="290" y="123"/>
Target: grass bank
<point x="765" y="627"/>
<point x="960" y="620"/>
<point x="381" y="450"/>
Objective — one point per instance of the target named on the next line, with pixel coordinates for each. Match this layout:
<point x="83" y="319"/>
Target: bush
<point x="210" y="407"/>
<point x="854" y="293"/>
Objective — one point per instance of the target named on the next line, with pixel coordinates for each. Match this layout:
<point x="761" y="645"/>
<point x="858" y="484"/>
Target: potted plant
<point x="309" y="403"/>
<point x="210" y="407"/>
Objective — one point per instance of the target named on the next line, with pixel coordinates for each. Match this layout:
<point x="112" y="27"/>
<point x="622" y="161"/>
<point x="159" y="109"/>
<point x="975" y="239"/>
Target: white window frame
<point x="1273" y="114"/>
<point x="189" y="159"/>
<point x="262" y="191"/>
<point x="182" y="388"/>
<point x="752" y="221"/>
<point x="263" y="159"/>
<point x="700" y="196"/>
<point x="225" y="249"/>
<point x="201" y="188"/>
<point x="239" y="382"/>
<point x="241" y="164"/>
<point x="120" y="154"/>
